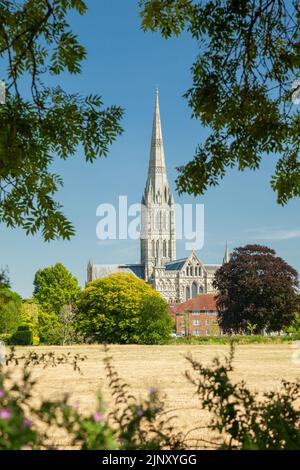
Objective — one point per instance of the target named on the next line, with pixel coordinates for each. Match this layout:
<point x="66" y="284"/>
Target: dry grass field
<point x="261" y="366"/>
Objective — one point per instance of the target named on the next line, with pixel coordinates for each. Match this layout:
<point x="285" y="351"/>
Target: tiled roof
<point x="201" y="302"/>
<point x="175" y="265"/>
<point x="103" y="270"/>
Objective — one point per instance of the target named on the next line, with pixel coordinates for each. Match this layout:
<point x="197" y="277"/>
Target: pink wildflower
<point x="98" y="417"/>
<point x="27" y="422"/>
<point x="5" y="413"/>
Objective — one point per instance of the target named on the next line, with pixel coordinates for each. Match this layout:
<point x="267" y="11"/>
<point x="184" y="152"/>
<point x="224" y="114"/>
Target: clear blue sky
<point x="124" y="65"/>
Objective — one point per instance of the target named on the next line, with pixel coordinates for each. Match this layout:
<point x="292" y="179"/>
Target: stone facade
<point x="176" y="280"/>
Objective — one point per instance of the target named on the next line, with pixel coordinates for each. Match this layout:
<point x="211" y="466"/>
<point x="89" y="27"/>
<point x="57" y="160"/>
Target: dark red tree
<point x="256" y="287"/>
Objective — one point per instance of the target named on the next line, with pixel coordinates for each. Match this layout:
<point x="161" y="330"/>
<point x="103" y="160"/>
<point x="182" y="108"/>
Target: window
<point x="196" y="322"/>
<point x="165" y="219"/>
<point x="195" y="312"/>
<point x="164" y="248"/>
<point x="196" y="332"/>
<point x="187" y="293"/>
<point x="207" y="322"/>
<point x="194" y="290"/>
<point x="153" y="249"/>
<point x="207" y="333"/>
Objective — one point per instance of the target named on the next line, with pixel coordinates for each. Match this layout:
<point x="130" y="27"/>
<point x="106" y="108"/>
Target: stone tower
<point x="226" y="258"/>
<point x="158" y="237"/>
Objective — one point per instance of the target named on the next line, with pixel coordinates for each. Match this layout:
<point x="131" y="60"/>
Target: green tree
<point x="294" y="327"/>
<point x="256" y="288"/>
<point x="55" y="287"/>
<point x="66" y="327"/>
<point x="155" y="324"/>
<point x="40" y="122"/>
<point x="10" y="311"/>
<point x="48" y="328"/>
<point x="121" y="308"/>
<point x="244" y="86"/>
<point x="30" y="314"/>
<point x="4" y="279"/>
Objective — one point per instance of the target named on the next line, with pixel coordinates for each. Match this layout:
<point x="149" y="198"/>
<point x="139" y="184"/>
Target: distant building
<point x="176" y="279"/>
<point x="196" y="317"/>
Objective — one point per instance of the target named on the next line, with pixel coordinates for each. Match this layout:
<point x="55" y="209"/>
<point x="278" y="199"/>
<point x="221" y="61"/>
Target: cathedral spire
<point x="226" y="258"/>
<point x="157" y="167"/>
<point x="158" y="234"/>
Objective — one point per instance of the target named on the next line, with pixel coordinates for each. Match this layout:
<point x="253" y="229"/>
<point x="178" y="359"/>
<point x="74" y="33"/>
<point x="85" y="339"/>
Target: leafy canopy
<point x="244" y="86"/>
<point x="39" y="122"/>
<point x="10" y="310"/>
<point x="4" y="279"/>
<point x="121" y="308"/>
<point x="256" y="288"/>
<point x="55" y="287"/>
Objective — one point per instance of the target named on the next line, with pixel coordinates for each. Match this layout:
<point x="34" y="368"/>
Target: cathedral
<point x="177" y="280"/>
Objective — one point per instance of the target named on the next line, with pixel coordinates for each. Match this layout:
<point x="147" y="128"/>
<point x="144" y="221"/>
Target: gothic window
<point x="170" y="249"/>
<point x="187" y="293"/>
<point x="156" y="223"/>
<point x="165" y="194"/>
<point x="157" y="249"/>
<point x="196" y="271"/>
<point x="165" y="219"/>
<point x="194" y="290"/>
<point x="191" y="271"/>
<point x="165" y="248"/>
<point x="200" y="290"/>
<point x="153" y="249"/>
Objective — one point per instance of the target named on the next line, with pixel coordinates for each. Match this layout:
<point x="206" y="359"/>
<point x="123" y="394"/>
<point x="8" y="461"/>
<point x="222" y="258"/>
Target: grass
<point x="238" y="339"/>
<point x="261" y="366"/>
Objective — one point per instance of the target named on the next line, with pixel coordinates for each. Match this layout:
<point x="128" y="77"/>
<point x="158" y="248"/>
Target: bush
<point x="241" y="419"/>
<point x="133" y="424"/>
<point x="121" y="308"/>
<point x="22" y="337"/>
<point x="6" y="338"/>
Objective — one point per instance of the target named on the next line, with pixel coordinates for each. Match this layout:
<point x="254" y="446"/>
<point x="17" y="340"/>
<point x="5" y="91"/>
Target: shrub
<point x="10" y="311"/>
<point x="23" y="336"/>
<point x="121" y="308"/>
<point x="133" y="424"/>
<point x="6" y="338"/>
<point x="241" y="419"/>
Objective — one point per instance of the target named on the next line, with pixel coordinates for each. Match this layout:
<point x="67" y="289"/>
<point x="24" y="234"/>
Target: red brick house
<point x="196" y="317"/>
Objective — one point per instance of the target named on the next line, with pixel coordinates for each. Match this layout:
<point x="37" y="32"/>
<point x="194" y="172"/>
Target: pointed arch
<point x="194" y="290"/>
<point x="165" y="248"/>
<point x="187" y="293"/>
<point x="153" y="249"/>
